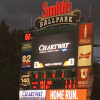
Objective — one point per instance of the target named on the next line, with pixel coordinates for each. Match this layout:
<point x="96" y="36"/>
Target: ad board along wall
<point x="84" y="55"/>
<point x="66" y="94"/>
<point x="58" y="94"/>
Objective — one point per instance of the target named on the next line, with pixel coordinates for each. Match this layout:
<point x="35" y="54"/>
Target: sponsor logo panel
<point x="32" y="95"/>
<point x="26" y="46"/>
<point x="84" y="55"/>
<point x="85" y="33"/>
<point x="82" y="77"/>
<point x="69" y="94"/>
<point x="26" y="61"/>
<point x="25" y="80"/>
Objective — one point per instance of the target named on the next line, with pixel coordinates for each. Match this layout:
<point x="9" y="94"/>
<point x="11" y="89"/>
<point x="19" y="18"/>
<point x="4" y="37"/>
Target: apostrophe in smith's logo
<point x="82" y="77"/>
<point x="85" y="33"/>
<point x="84" y="55"/>
<point x="26" y="61"/>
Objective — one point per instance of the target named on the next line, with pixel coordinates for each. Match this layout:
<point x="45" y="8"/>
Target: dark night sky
<point x="18" y="13"/>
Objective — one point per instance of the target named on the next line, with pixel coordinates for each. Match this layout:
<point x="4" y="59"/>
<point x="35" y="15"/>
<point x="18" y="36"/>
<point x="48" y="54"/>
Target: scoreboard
<point x="54" y="79"/>
<point x="56" y="61"/>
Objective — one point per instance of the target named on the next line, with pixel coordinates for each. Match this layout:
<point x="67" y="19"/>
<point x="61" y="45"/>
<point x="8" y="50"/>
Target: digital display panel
<point x="26" y="61"/>
<point x="54" y="79"/>
<point x="55" y="50"/>
<point x="27" y="37"/>
<point x="25" y="80"/>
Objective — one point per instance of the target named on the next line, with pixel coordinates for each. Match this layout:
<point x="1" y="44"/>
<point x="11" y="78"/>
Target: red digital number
<point x="34" y="83"/>
<point x="53" y="75"/>
<point x="34" y="87"/>
<point x="49" y="82"/>
<point x="44" y="75"/>
<point x="66" y="86"/>
<point x="70" y="84"/>
<point x="27" y="36"/>
<point x="63" y="74"/>
<point x="66" y="81"/>
<point x="36" y="76"/>
<point x="42" y="87"/>
<point x="47" y="86"/>
<point x="74" y="84"/>
<point x="42" y="82"/>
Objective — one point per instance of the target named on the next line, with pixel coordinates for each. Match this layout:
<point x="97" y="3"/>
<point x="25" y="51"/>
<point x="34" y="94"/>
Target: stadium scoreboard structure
<point x="55" y="62"/>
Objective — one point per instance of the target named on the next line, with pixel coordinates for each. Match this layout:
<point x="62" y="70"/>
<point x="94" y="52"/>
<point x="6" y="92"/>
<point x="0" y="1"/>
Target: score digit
<point x="53" y="75"/>
<point x="36" y="76"/>
<point x="44" y="75"/>
<point x="27" y="36"/>
<point x="63" y="74"/>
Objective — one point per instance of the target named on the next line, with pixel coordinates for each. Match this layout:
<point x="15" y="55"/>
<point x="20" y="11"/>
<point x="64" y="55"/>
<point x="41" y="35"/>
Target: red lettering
<point x="51" y="11"/>
<point x="45" y="5"/>
<point x="68" y="6"/>
<point x="84" y="55"/>
<point x="59" y="8"/>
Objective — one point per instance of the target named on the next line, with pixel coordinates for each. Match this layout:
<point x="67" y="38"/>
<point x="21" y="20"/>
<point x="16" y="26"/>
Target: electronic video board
<point x="56" y="49"/>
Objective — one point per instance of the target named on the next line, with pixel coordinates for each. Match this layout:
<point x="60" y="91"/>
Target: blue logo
<point x="64" y="50"/>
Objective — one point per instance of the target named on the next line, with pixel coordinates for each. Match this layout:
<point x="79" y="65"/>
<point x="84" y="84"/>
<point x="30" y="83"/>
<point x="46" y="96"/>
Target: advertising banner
<point x="82" y="75"/>
<point x="85" y="33"/>
<point x="84" y="55"/>
<point x="25" y="80"/>
<point x="66" y="94"/>
<point x="26" y="61"/>
<point x="55" y="50"/>
<point x="26" y="46"/>
<point x="32" y="95"/>
<point x="89" y="87"/>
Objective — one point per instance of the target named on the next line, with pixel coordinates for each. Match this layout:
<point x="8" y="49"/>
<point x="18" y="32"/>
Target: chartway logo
<point x="84" y="55"/>
<point x="64" y="50"/>
<point x="54" y="47"/>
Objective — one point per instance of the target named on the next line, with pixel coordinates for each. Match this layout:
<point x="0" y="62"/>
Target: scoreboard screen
<point x="55" y="50"/>
<point x="54" y="79"/>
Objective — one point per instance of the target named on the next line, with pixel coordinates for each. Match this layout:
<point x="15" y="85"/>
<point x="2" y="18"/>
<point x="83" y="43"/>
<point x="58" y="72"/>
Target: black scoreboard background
<point x="51" y="49"/>
<point x="53" y="59"/>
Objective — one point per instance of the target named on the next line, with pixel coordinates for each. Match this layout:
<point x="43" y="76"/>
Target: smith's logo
<point x="84" y="55"/>
<point x="61" y="13"/>
<point x="59" y="8"/>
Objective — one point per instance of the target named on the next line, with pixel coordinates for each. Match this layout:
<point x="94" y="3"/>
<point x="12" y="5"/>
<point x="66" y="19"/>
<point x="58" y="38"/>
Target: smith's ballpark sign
<point x="60" y="13"/>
